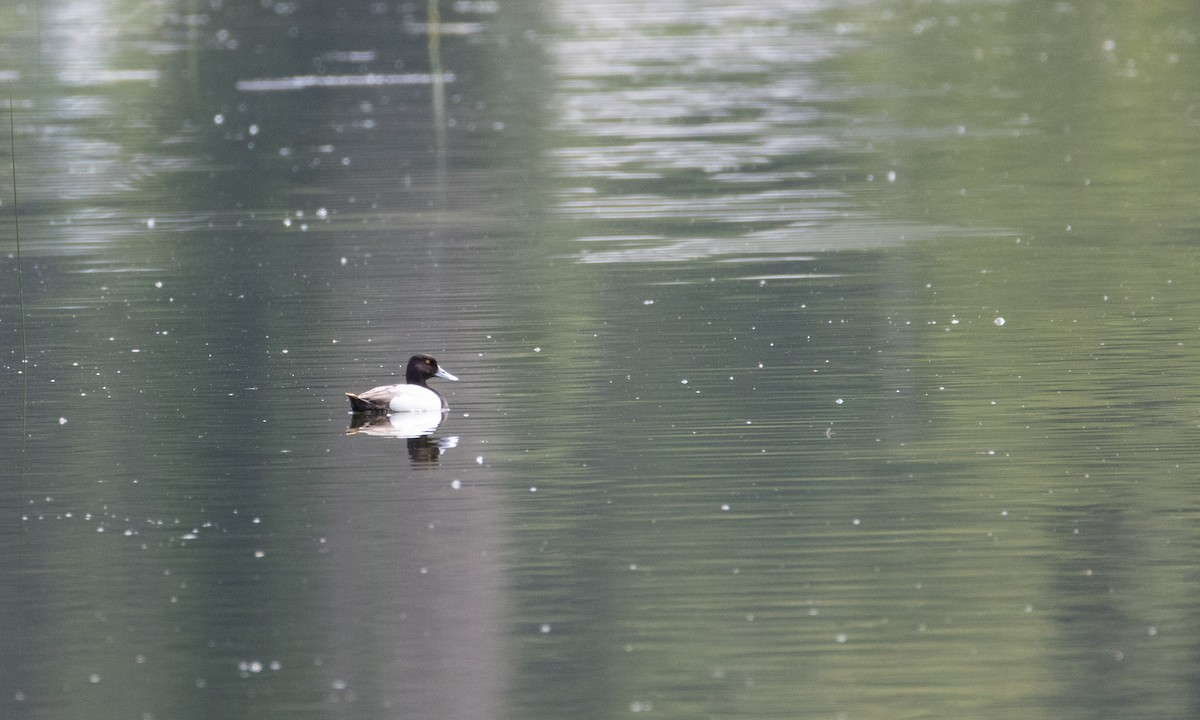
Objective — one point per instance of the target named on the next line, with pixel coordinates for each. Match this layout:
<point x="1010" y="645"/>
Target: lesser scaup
<point x="411" y="396"/>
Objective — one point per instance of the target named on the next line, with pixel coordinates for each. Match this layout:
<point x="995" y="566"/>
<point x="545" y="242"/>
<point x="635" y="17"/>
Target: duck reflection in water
<point x="415" y="428"/>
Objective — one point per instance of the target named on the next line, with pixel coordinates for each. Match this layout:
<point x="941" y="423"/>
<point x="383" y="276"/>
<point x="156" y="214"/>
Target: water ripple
<point x="683" y="113"/>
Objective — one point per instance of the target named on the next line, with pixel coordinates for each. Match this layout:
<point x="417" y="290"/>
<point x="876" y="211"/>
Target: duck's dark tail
<point x="357" y="404"/>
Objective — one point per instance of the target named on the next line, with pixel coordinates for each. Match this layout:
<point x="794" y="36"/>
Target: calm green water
<point x="818" y="360"/>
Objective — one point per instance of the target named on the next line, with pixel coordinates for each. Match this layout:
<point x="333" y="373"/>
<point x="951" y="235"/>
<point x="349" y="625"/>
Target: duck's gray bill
<point x="445" y="375"/>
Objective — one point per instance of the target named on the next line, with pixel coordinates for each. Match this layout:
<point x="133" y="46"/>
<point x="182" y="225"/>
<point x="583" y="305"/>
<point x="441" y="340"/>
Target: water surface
<point x="825" y="359"/>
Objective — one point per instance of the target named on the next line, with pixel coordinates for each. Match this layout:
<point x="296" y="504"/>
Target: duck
<point x="413" y="395"/>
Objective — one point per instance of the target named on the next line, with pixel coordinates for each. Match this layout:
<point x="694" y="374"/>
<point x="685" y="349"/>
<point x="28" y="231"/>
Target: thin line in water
<point x="12" y="139"/>
<point x="434" y="18"/>
<point x="18" y="633"/>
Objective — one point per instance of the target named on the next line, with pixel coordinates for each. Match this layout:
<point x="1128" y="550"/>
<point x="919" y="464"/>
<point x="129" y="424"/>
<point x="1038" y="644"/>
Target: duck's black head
<point x="421" y="367"/>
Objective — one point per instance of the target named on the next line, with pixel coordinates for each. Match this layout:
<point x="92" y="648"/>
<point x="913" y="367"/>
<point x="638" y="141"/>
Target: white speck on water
<point x="456" y="484"/>
<point x="343" y="261"/>
<point x="545" y="628"/>
<point x="94" y="678"/>
<point x="260" y="554"/>
<point x="841" y="638"/>
<point x="647" y="302"/>
<point x="158" y="284"/>
<point x="638" y="706"/>
<point x="150" y="223"/>
<point x="62" y="421"/>
<point x="683" y="382"/>
<point x="252" y="130"/>
<point x="478" y="459"/>
<point x="218" y="119"/>
<point x="999" y="321"/>
<point x="537" y="349"/>
<point x="891" y="176"/>
<point x="856" y="521"/>
<point x="533" y="489"/>
<point x="725" y="507"/>
<point x="322" y="213"/>
<point x="1152" y="630"/>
